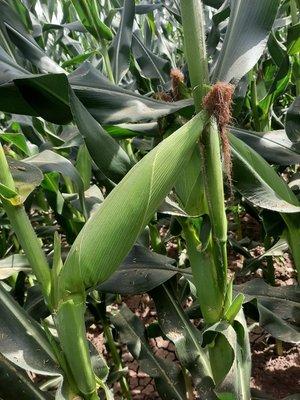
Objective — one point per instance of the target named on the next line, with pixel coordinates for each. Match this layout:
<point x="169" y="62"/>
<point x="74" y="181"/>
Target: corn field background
<point x="149" y="193"/>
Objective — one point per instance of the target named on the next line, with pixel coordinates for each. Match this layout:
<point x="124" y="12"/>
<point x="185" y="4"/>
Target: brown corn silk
<point x="163" y="96"/>
<point x="218" y="103"/>
<point x="177" y="78"/>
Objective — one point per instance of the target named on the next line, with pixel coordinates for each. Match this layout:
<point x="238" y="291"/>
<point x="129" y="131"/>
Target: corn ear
<point x="110" y="233"/>
<point x="189" y="186"/>
<point x="205" y="278"/>
<point x="214" y="190"/>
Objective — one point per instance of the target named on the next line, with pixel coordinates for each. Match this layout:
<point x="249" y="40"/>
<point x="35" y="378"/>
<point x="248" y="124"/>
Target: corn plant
<point x="83" y="81"/>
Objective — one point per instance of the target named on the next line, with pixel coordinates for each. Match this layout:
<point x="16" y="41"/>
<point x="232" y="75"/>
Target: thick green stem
<point x="25" y="232"/>
<point x="107" y="63"/>
<point x="296" y="67"/>
<point x="204" y="274"/>
<point x="195" y="50"/>
<point x="254" y="102"/>
<point x="71" y="331"/>
<point x="294" y="12"/>
<point x="116" y="358"/>
<point x="211" y="293"/>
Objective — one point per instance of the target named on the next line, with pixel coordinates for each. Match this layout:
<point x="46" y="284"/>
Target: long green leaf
<point x="43" y="95"/>
<point x="142" y="270"/>
<point x="120" y="48"/>
<point x="108" y="155"/>
<point x="88" y="13"/>
<point x="167" y="375"/>
<point x="111" y="104"/>
<point x="292" y="121"/>
<point x="15" y="383"/>
<point x="48" y="161"/>
<point x="186" y="338"/>
<point x="23" y="341"/>
<point x="278" y="308"/>
<point x="108" y="103"/>
<point x="263" y="186"/>
<point x="230" y="342"/>
<point x="152" y="66"/>
<point x="26" y="177"/>
<point x="273" y="146"/>
<point x="12" y="26"/>
<point x="250" y="23"/>
<point x="13" y="264"/>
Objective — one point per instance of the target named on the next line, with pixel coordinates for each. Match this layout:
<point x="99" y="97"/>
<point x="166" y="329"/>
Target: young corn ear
<point x="109" y="235"/>
<point x="214" y="191"/>
<point x="205" y="278"/>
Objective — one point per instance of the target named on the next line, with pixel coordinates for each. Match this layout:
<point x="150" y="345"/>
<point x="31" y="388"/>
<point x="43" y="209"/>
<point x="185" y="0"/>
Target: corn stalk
<point x="210" y="165"/>
<point x="23" y="229"/>
<point x="209" y="260"/>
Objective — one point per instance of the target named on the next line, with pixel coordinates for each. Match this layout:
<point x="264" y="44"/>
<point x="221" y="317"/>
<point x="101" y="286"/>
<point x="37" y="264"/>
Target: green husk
<point x="108" y="236"/>
<point x="214" y="191"/>
<point x="205" y="279"/>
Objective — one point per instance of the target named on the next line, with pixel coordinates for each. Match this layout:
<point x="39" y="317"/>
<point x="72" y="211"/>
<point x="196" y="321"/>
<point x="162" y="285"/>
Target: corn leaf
<point x="13" y="29"/>
<point x="167" y="375"/>
<point x="17" y="139"/>
<point x="278" y="308"/>
<point x="232" y="376"/>
<point x="113" y="161"/>
<point x="263" y="187"/>
<point x="48" y="96"/>
<point x="152" y="66"/>
<point x="15" y="382"/>
<point x="293" y="39"/>
<point x="111" y="104"/>
<point x="13" y="264"/>
<point x="23" y="342"/>
<point x="142" y="270"/>
<point x="89" y="16"/>
<point x="26" y="177"/>
<point x="250" y="23"/>
<point x="84" y="165"/>
<point x="292" y="121"/>
<point x="48" y="161"/>
<point x="186" y="338"/>
<point x="120" y="48"/>
<point x="273" y="146"/>
<point x="9" y="69"/>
